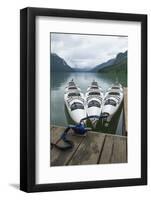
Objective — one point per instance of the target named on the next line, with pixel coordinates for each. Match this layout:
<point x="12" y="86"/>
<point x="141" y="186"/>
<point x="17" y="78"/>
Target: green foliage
<point x="120" y="67"/>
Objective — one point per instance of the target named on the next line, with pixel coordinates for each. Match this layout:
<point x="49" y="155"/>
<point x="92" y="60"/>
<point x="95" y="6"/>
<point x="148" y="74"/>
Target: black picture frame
<point x="28" y="99"/>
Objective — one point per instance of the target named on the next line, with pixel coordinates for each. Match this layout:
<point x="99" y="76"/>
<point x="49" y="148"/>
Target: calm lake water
<point x="59" y="114"/>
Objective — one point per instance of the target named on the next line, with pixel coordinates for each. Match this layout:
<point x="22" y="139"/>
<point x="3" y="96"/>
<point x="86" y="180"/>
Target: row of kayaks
<point x="95" y="102"/>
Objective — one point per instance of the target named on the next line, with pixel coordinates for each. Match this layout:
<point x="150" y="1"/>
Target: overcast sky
<point x="86" y="51"/>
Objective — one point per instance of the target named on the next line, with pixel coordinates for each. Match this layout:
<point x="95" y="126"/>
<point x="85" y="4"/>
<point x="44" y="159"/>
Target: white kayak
<point x="112" y="100"/>
<point x="75" y="103"/>
<point x="94" y="100"/>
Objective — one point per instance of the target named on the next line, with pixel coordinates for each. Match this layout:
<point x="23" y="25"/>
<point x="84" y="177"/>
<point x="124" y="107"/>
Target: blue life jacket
<point x="79" y="129"/>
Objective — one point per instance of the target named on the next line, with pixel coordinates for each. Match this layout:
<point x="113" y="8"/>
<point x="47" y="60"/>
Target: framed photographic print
<point x="83" y="99"/>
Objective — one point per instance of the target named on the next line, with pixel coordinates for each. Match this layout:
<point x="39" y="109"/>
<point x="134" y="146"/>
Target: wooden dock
<point x="125" y="112"/>
<point x="94" y="148"/>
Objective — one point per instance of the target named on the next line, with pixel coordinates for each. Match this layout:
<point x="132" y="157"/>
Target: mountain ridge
<point x="113" y="61"/>
<point x="119" y="62"/>
<point x="58" y="64"/>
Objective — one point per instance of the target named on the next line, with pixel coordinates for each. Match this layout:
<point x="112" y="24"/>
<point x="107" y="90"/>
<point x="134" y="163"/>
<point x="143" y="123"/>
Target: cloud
<point x="86" y="51"/>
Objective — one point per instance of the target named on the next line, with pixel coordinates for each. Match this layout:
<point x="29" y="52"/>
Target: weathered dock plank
<point x="125" y="110"/>
<point x="105" y="155"/>
<point x="119" y="154"/>
<point x="114" y="150"/>
<point x="55" y="133"/>
<point x="58" y="157"/>
<point x="89" y="150"/>
<point x="94" y="148"/>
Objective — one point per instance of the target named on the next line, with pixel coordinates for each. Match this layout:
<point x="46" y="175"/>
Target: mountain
<point x="119" y="63"/>
<point x="120" y="57"/>
<point x="105" y="64"/>
<point x="58" y="64"/>
<point x="119" y="67"/>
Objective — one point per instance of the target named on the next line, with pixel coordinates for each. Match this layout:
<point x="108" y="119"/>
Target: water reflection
<point x="58" y="80"/>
